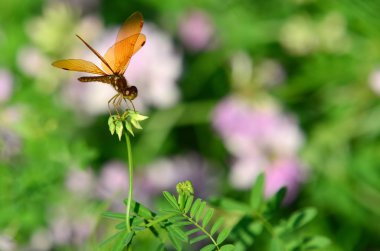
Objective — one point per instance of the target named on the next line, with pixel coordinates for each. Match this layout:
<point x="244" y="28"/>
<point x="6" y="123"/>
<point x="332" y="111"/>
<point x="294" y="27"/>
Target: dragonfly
<point x="115" y="61"/>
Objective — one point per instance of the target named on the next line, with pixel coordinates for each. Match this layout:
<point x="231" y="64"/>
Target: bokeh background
<point x="232" y="88"/>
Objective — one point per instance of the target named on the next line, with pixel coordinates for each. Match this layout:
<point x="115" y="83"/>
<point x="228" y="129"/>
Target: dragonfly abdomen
<point x="103" y="79"/>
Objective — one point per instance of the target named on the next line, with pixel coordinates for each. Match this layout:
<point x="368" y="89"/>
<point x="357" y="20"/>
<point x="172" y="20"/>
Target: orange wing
<point x="131" y="26"/>
<point x="105" y="65"/>
<point x="128" y="41"/>
<point x="120" y="53"/>
<point x="78" y="65"/>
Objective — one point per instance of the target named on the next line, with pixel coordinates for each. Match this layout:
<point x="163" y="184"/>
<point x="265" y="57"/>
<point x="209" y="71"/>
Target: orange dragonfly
<point x="114" y="63"/>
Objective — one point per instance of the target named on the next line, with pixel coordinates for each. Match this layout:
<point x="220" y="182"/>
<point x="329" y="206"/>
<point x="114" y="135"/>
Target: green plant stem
<point x="130" y="192"/>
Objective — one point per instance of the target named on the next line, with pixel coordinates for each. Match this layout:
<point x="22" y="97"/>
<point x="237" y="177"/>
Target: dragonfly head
<point x="131" y="93"/>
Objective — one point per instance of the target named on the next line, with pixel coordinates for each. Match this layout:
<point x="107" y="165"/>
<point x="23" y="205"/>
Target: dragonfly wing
<point x="120" y="53"/>
<point x="131" y="26"/>
<point x="78" y="65"/>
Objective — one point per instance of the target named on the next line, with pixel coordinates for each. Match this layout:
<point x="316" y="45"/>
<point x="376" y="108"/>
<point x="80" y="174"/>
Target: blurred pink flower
<point x="41" y="240"/>
<point x="164" y="174"/>
<point x="155" y="70"/>
<point x="260" y="137"/>
<point x="7" y="243"/>
<point x="6" y="85"/>
<point x="270" y="73"/>
<point x="80" y="182"/>
<point x="113" y="184"/>
<point x="61" y="230"/>
<point x="10" y="144"/>
<point x="113" y="180"/>
<point x="284" y="173"/>
<point x="71" y="227"/>
<point x="32" y="61"/>
<point x="11" y="115"/>
<point x="196" y="30"/>
<point x="374" y="81"/>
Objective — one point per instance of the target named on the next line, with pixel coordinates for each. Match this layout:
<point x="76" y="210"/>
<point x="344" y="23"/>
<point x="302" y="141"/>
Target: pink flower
<point x="69" y="228"/>
<point x="113" y="180"/>
<point x="374" y="81"/>
<point x="284" y="173"/>
<point x="262" y="139"/>
<point x="6" y="85"/>
<point x="196" y="30"/>
<point x="80" y="182"/>
<point x="41" y="240"/>
<point x="164" y="174"/>
<point x="155" y="70"/>
<point x="7" y="243"/>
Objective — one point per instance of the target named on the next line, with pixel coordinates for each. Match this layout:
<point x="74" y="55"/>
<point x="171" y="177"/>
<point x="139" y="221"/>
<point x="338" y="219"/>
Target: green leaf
<point x="113" y="215"/>
<point x="119" y="129"/>
<point x="136" y="124"/>
<point x="301" y="218"/>
<point x="257" y="193"/>
<point x="316" y="242"/>
<point x="123" y="241"/>
<point x="129" y="128"/>
<point x="111" y="238"/>
<point x="171" y="199"/>
<point x="174" y="240"/>
<point x="136" y="116"/>
<point x="222" y="236"/>
<point x="216" y="225"/>
<point x="140" y="210"/>
<point x="189" y="201"/>
<point x="128" y="238"/>
<point x="192" y="231"/>
<point x="209" y="247"/>
<point x="276" y="200"/>
<point x="195" y="207"/>
<point x="198" y="238"/>
<point x="200" y="211"/>
<point x="111" y="124"/>
<point x="181" y="201"/>
<point x="233" y="205"/>
<point x="207" y="217"/>
<point x="120" y="226"/>
<point x="181" y="235"/>
<point x="228" y="247"/>
<point x="182" y="223"/>
<point x="160" y="247"/>
<point x="276" y="245"/>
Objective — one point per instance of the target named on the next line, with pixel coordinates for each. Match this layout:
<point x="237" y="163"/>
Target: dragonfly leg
<point x="109" y="101"/>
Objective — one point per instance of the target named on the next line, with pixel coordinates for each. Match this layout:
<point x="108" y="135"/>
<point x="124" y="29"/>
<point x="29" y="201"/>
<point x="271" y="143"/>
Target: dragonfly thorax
<point x="119" y="82"/>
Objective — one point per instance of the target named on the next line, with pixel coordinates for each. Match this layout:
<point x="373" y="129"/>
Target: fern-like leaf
<point x="198" y="238"/>
<point x="222" y="236"/>
<point x="216" y="226"/>
<point x="200" y="211"/>
<point x="207" y="217"/>
<point x="195" y="207"/>
<point x="189" y="202"/>
<point x="195" y="213"/>
<point x="171" y="199"/>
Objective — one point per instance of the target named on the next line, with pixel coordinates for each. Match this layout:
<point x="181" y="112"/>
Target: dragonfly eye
<point x="131" y="93"/>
